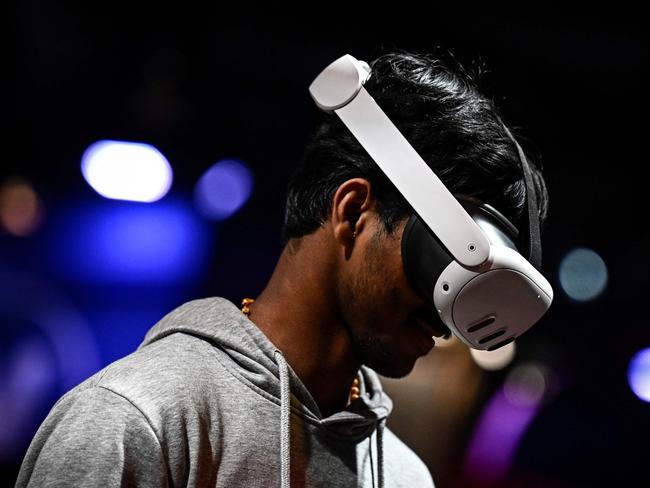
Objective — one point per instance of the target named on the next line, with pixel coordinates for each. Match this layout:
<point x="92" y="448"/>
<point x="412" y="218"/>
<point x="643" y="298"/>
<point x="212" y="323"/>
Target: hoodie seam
<point x="218" y="352"/>
<point x="315" y="422"/>
<point x="264" y="394"/>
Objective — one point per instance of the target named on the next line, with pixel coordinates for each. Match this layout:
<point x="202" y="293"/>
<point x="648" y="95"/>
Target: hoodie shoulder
<point x="196" y="357"/>
<point x="82" y="443"/>
<point x="170" y="369"/>
<point x="403" y="464"/>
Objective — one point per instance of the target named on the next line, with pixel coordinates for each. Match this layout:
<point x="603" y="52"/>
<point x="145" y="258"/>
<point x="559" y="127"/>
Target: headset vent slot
<point x="501" y="344"/>
<point x="492" y="336"/>
<point x="481" y="324"/>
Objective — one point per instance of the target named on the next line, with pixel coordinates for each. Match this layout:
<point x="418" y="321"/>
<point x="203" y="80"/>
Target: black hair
<point x="437" y="105"/>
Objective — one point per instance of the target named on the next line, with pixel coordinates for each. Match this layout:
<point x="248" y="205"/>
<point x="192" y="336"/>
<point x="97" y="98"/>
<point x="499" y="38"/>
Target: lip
<point x="423" y="334"/>
<point x="425" y="340"/>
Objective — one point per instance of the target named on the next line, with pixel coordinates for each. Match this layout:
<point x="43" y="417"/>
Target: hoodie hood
<point x="208" y="400"/>
<point x="253" y="360"/>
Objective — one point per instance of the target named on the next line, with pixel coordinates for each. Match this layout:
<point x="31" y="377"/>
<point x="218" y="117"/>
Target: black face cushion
<point x="425" y="258"/>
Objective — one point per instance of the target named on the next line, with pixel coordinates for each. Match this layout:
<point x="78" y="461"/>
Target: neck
<point x="297" y="312"/>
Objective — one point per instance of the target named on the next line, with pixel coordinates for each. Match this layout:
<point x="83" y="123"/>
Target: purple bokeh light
<point x="223" y="189"/>
<point x="638" y="374"/>
<point x="504" y="422"/>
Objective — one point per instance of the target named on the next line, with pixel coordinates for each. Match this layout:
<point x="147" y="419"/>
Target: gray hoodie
<point x="208" y="400"/>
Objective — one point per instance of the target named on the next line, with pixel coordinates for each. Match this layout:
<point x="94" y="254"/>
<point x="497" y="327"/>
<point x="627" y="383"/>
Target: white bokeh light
<point x="526" y="384"/>
<point x="583" y="274"/>
<point x="494" y="360"/>
<point x="127" y="171"/>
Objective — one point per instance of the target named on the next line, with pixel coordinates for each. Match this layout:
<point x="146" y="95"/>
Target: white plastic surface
<point x="339" y="83"/>
<point x="507" y="287"/>
<point x="428" y="196"/>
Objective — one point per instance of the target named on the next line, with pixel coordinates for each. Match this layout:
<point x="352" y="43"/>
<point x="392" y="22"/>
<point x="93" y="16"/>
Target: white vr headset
<point x="461" y="256"/>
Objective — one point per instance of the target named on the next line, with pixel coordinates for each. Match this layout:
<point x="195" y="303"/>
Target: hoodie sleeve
<point x="94" y="438"/>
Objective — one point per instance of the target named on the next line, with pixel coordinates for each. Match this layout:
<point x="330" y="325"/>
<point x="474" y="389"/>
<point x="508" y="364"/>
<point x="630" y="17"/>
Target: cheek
<point x="374" y="293"/>
<point x="365" y="294"/>
<point x="362" y="294"/>
<point x="384" y="288"/>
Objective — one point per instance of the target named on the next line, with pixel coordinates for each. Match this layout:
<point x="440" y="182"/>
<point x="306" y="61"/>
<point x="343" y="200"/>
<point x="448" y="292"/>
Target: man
<point x="284" y="391"/>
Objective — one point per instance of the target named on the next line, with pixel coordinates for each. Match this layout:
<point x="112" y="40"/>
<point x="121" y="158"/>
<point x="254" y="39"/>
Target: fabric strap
<point x="530" y="239"/>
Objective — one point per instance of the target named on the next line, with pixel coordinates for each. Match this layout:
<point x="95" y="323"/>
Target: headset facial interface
<point x="458" y="253"/>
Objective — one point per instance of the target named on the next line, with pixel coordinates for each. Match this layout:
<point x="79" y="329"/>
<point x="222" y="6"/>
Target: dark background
<point x="202" y="84"/>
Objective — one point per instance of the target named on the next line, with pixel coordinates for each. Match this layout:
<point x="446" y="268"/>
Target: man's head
<point x="458" y="132"/>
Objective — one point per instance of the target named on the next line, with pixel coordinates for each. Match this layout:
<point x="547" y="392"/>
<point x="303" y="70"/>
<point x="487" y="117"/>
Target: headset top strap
<point x="530" y="238"/>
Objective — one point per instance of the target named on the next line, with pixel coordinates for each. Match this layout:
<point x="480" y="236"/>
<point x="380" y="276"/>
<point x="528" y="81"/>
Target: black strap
<point x="530" y="239"/>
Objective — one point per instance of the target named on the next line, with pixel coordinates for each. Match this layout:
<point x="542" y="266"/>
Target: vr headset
<point x="459" y="254"/>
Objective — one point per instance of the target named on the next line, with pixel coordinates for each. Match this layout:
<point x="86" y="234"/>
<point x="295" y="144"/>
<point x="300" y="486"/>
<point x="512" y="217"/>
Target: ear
<point x="350" y="205"/>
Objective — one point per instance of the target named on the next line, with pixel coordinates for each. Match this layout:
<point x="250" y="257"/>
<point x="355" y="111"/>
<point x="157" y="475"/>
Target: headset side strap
<point x="531" y="239"/>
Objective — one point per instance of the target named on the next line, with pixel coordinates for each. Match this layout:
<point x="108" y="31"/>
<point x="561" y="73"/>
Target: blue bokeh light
<point x="49" y="348"/>
<point x="638" y="374"/>
<point x="126" y="171"/>
<point x="583" y="274"/>
<point x="121" y="242"/>
<point x="223" y="189"/>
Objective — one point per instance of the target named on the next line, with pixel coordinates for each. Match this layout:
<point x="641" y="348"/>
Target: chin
<point x="387" y="363"/>
<point x="386" y="355"/>
<point x="392" y="369"/>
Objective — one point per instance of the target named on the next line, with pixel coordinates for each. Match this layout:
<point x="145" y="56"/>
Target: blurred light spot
<point x="494" y="360"/>
<point x="28" y="381"/>
<point x="638" y="374"/>
<point x="525" y="385"/>
<point x="223" y="189"/>
<point x="503" y="423"/>
<point x="115" y="242"/>
<point x="583" y="274"/>
<point x="27" y="298"/>
<point x="53" y="351"/>
<point x="20" y="209"/>
<point x="31" y="368"/>
<point x="126" y="171"/>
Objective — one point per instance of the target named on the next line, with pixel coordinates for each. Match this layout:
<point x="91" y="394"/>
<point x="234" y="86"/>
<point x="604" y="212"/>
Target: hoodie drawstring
<point x="380" y="452"/>
<point x="379" y="443"/>
<point x="285" y="412"/>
